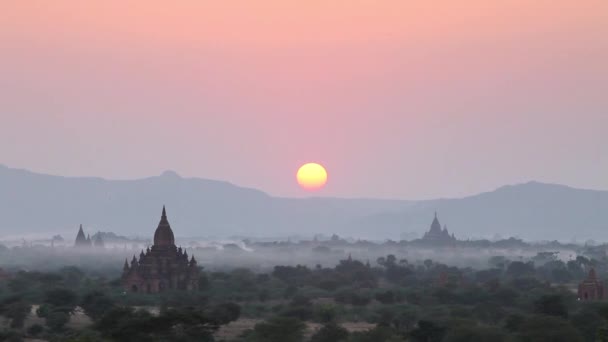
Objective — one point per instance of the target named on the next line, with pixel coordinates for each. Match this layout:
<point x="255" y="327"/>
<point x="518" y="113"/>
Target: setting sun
<point x="312" y="176"/>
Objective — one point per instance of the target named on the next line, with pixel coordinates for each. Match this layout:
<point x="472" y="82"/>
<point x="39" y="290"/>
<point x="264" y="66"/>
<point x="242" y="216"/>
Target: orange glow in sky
<point x="398" y="98"/>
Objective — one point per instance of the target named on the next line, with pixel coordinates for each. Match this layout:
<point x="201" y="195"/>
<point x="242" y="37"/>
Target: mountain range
<point x="37" y="203"/>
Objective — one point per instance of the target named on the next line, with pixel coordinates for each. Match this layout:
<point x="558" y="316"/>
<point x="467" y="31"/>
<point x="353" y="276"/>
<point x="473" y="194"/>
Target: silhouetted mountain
<point x="31" y="203"/>
<point x="533" y="211"/>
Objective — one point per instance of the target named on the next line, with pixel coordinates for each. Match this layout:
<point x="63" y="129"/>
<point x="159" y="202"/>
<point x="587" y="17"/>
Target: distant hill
<point x="37" y="203"/>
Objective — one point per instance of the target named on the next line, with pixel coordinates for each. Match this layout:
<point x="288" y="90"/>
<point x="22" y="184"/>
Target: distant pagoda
<point x="87" y="242"/>
<point x="162" y="267"/>
<point x="81" y="240"/>
<point x="437" y="234"/>
<point x="98" y="241"/>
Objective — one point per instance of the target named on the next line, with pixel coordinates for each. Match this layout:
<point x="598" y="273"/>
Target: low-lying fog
<point x="263" y="256"/>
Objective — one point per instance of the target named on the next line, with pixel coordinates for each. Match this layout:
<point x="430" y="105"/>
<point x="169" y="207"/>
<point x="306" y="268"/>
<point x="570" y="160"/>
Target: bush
<point x="61" y="297"/>
<point x="10" y="336"/>
<point x="378" y="334"/>
<point x="387" y="297"/>
<point x="474" y="334"/>
<point x="552" y="305"/>
<point x="427" y="331"/>
<point x="56" y="320"/>
<point x="279" y="329"/>
<point x="16" y="310"/>
<point x="226" y="313"/>
<point x="330" y="332"/>
<point x="35" y="330"/>
<point x="96" y="304"/>
<point x="352" y="297"/>
<point x="543" y="328"/>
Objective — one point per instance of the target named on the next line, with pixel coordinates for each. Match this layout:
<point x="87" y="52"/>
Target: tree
<point x="330" y="332"/>
<point x="513" y="322"/>
<point x="378" y="334"/>
<point x="263" y="295"/>
<point x="96" y="304"/>
<point x="489" y="313"/>
<point x="35" y="330"/>
<point x="203" y="282"/>
<point x="520" y="269"/>
<point x="61" y="298"/>
<point x="72" y="276"/>
<point x="588" y="321"/>
<point x="325" y="313"/>
<point x="602" y="333"/>
<point x="56" y="320"/>
<point x="575" y="269"/>
<point x="405" y="319"/>
<point x="292" y="275"/>
<point x="543" y="328"/>
<point x="485" y="276"/>
<point x="183" y="324"/>
<point x="122" y="324"/>
<point x="427" y="331"/>
<point x="474" y="334"/>
<point x="16" y="309"/>
<point x="552" y="305"/>
<point x="10" y="336"/>
<point x="226" y="313"/>
<point x="498" y="261"/>
<point x="278" y="329"/>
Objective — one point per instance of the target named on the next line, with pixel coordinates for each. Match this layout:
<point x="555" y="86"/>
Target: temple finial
<point x="164" y="212"/>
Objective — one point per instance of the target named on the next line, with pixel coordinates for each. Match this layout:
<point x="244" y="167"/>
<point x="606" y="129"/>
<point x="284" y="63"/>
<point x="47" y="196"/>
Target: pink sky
<point x="399" y="99"/>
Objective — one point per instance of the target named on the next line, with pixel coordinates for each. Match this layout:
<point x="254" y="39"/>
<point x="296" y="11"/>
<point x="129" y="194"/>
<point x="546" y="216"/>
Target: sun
<point x="312" y="176"/>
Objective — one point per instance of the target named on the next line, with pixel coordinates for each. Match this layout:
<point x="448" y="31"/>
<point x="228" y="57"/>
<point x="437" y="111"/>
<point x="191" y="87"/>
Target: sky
<point x="396" y="98"/>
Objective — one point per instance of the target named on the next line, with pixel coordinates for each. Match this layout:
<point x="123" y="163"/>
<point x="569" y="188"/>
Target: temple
<point x="591" y="288"/>
<point x="436" y="234"/>
<point x="87" y="242"/>
<point x="98" y="241"/>
<point x="81" y="240"/>
<point x="162" y="267"/>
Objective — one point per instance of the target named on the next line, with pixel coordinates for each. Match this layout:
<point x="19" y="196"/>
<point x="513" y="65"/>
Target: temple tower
<point x="163" y="267"/>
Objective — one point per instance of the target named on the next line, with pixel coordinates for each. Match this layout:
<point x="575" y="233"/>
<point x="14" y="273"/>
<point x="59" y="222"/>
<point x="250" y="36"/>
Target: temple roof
<point x="81" y="239"/>
<point x="80" y="236"/>
<point x="163" y="236"/>
<point x="435" y="226"/>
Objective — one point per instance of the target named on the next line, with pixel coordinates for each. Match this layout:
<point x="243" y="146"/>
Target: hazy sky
<point x="398" y="99"/>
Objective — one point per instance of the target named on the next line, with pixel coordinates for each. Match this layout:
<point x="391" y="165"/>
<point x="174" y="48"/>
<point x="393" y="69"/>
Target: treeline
<point x="419" y="301"/>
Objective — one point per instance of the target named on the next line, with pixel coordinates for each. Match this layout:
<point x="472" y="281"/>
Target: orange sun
<point x="312" y="176"/>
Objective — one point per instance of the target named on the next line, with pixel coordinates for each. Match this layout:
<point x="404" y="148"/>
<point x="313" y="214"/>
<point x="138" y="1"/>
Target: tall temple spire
<point x="438" y="234"/>
<point x="81" y="239"/>
<point x="436" y="226"/>
<point x="163" y="236"/>
<point x="162" y="266"/>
